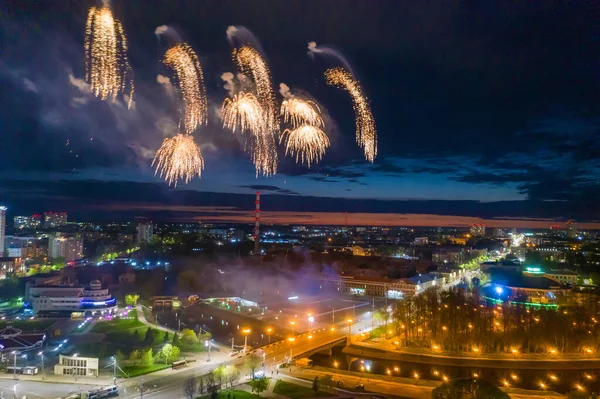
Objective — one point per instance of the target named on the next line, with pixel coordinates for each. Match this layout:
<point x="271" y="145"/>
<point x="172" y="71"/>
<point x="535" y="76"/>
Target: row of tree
<point x="462" y="320"/>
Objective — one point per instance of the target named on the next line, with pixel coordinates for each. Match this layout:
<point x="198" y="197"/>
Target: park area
<point x="138" y="348"/>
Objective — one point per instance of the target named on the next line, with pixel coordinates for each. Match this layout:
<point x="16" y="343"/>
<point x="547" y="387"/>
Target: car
<point x="359" y="387"/>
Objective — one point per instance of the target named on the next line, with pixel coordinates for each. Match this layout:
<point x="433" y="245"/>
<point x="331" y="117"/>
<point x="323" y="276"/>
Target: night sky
<point x="484" y="110"/>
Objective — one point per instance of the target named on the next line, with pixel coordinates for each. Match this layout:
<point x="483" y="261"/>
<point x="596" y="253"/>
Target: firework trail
<point x="344" y="78"/>
<point x="184" y="61"/>
<point x="107" y="66"/>
<point x="178" y="158"/>
<point x="258" y="112"/>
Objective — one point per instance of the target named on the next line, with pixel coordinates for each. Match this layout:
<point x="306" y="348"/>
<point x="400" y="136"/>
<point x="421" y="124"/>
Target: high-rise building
<point x="144" y="232"/>
<point x="70" y="248"/>
<point x="477" y="230"/>
<point x="54" y="219"/>
<point x="2" y="229"/>
<point x="26" y="247"/>
<point x="571" y="229"/>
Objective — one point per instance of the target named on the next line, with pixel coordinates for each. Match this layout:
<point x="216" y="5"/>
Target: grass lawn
<point x="233" y="392"/>
<point x="133" y="371"/>
<point x="118" y="324"/>
<point x="28" y="326"/>
<point x="191" y="348"/>
<point x="128" y="337"/>
<point x="294" y="391"/>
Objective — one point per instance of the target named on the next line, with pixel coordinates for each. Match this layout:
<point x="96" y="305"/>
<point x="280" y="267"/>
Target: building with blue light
<point x="530" y="287"/>
<point x="71" y="301"/>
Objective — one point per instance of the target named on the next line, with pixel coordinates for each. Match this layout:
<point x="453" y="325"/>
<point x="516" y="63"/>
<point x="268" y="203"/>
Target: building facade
<point x="54" y="219"/>
<point x="144" y="232"/>
<point x="76" y="365"/>
<point x="71" y="301"/>
<point x="70" y="248"/>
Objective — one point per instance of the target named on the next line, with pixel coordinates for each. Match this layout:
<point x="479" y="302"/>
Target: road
<point x="169" y="383"/>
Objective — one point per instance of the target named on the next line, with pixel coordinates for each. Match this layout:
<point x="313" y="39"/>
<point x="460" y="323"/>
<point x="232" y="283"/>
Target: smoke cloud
<point x="161" y="30"/>
<point x="284" y="90"/>
<point x="331" y="53"/>
<point x="229" y="85"/>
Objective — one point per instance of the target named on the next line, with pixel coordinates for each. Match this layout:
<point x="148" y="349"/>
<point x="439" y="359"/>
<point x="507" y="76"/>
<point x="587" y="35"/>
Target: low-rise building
<point x="76" y="365"/>
<point x="71" y="301"/>
<point x="562" y="276"/>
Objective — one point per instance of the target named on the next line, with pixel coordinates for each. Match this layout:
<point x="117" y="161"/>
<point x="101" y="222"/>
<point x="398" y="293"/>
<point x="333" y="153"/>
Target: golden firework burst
<point x="184" y="61"/>
<point x="178" y="158"/>
<point x="307" y="143"/>
<point x="298" y="111"/>
<point x="366" y="132"/>
<point x="107" y="66"/>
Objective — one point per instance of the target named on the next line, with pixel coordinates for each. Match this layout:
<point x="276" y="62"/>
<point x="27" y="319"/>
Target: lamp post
<point x="293" y="323"/>
<point x="291" y="341"/>
<point x="41" y="354"/>
<point x="14" y="353"/>
<point x="207" y="344"/>
<point x="142" y="388"/>
<point x="310" y="320"/>
<point x="246" y="331"/>
<point x="349" y="321"/>
<point x="269" y="333"/>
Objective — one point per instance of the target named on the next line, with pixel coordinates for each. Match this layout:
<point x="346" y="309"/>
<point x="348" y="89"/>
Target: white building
<point x="70" y="248"/>
<point x="76" y="365"/>
<point x="144" y="232"/>
<point x="76" y="301"/>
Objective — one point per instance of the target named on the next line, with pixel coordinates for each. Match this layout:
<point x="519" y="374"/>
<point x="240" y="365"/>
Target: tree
<point x="134" y="357"/>
<point x="166" y="337"/>
<point x="146" y="359"/>
<point x="211" y="385"/>
<point x="175" y="338"/>
<point x="327" y="381"/>
<point x="170" y="352"/>
<point x="189" y="336"/>
<point x="466" y="388"/>
<point x="190" y="388"/>
<point x="119" y="357"/>
<point x="259" y="385"/>
<point x="315" y="384"/>
<point x="149" y="337"/>
<point x="131" y="299"/>
<point x="232" y="375"/>
<point x="204" y="336"/>
<point x="220" y="374"/>
<point x="252" y="362"/>
<point x="200" y="385"/>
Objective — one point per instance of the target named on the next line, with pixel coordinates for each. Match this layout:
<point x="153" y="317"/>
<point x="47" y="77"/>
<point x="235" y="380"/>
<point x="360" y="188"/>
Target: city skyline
<point x="473" y="121"/>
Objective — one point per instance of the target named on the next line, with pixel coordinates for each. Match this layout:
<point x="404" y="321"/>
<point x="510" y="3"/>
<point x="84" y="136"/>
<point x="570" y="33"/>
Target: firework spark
<point x="298" y="111"/>
<point x="244" y="112"/>
<point x="255" y="114"/>
<point x="182" y="58"/>
<point x="307" y="143"/>
<point x="366" y="132"/>
<point x="107" y="66"/>
<point x="178" y="158"/>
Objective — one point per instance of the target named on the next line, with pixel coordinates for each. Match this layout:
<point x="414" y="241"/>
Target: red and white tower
<point x="257" y="225"/>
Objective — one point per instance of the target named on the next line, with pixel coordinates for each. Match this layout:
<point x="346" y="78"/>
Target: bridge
<point x="317" y="347"/>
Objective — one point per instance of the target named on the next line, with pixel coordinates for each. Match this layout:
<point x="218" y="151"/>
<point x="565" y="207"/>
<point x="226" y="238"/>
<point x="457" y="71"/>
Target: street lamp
<point x="42" y="356"/>
<point x="114" y="359"/>
<point x="207" y="344"/>
<point x="14" y="353"/>
<point x="269" y="330"/>
<point x="291" y="341"/>
<point x="246" y="331"/>
<point x="349" y="321"/>
<point x="310" y="320"/>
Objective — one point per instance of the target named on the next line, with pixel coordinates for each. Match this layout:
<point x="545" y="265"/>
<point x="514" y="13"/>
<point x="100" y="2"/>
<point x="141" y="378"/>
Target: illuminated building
<point x="54" y="219"/>
<point x="70" y="248"/>
<point x="27" y="222"/>
<point x="26" y="247"/>
<point x="2" y="228"/>
<point x="477" y="230"/>
<point x="144" y="232"/>
<point x="9" y="266"/>
<point x="72" y="301"/>
<point x="76" y="365"/>
<point x="571" y="229"/>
